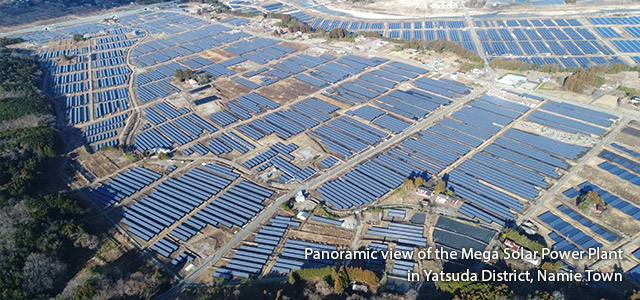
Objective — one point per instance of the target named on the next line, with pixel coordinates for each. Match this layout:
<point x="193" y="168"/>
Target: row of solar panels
<point x="586" y="223"/>
<point x="328" y="25"/>
<point x="152" y="91"/>
<point x="115" y="45"/>
<point x="68" y="78"/>
<point x="550" y="34"/>
<point x="328" y="162"/>
<point x="167" y="112"/>
<point x="625" y="149"/>
<point x="107" y="54"/>
<point x="578" y="48"/>
<point x="227" y="142"/>
<point x="109" y="95"/>
<point x="111" y="72"/>
<point x="620" y="172"/>
<point x="113" y="38"/>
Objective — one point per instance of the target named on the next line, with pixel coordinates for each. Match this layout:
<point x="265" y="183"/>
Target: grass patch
<point x="630" y="92"/>
<point x="319" y="210"/>
<point x="521" y="240"/>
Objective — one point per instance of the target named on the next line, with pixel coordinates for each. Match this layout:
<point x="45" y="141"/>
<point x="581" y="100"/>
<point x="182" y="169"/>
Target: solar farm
<point x="293" y="144"/>
<point x="567" y="43"/>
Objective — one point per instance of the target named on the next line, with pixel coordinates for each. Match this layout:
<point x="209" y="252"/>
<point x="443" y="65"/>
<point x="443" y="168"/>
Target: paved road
<point x="476" y="41"/>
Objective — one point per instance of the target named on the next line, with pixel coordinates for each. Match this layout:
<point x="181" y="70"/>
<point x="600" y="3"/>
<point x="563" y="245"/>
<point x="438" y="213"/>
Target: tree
<point x="78" y="37"/>
<point x="474" y="290"/>
<point x="181" y="75"/>
<point x="418" y="181"/>
<point x="338" y="33"/>
<point x="551" y="267"/>
<point x="41" y="272"/>
<point x="408" y="183"/>
<point x="579" y="80"/>
<point x="10" y="41"/>
<point x="440" y="187"/>
<point x="203" y="78"/>
<point x="588" y="199"/>
<point x="286" y="19"/>
<point x="341" y="282"/>
<point x="365" y="276"/>
<point x="86" y="240"/>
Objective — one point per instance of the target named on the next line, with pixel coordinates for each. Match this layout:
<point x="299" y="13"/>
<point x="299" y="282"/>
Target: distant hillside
<point x="19" y="12"/>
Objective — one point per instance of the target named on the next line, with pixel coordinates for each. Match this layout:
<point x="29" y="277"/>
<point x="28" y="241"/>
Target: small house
<point x="424" y="191"/>
<point x="303" y="215"/>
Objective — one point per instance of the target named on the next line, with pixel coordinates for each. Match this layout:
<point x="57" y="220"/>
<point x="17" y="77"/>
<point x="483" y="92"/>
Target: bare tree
<point x="88" y="241"/>
<point x="411" y="295"/>
<point x="323" y="288"/>
<point x="41" y="272"/>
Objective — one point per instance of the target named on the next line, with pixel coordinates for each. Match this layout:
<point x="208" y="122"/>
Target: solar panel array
<point x="171" y="126"/>
<point x="412" y="235"/>
<point x="327" y="220"/>
<point x="104" y="130"/>
<point x="279" y="156"/>
<point x="586" y="223"/>
<point x="172" y="199"/>
<point x="292" y="256"/>
<point x="328" y="162"/>
<point x="620" y="172"/>
<point x="534" y="41"/>
<point x="124" y="185"/>
<point x="590" y="122"/>
<point x="567" y="230"/>
<point x="251" y="259"/>
<point x="611" y="199"/>
<point x="413" y="157"/>
<point x="397" y="213"/>
<point x="625" y="149"/>
<point x="452" y="235"/>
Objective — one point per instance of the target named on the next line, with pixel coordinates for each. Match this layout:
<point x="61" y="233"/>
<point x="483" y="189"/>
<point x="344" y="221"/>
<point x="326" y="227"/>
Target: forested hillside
<point x="40" y="231"/>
